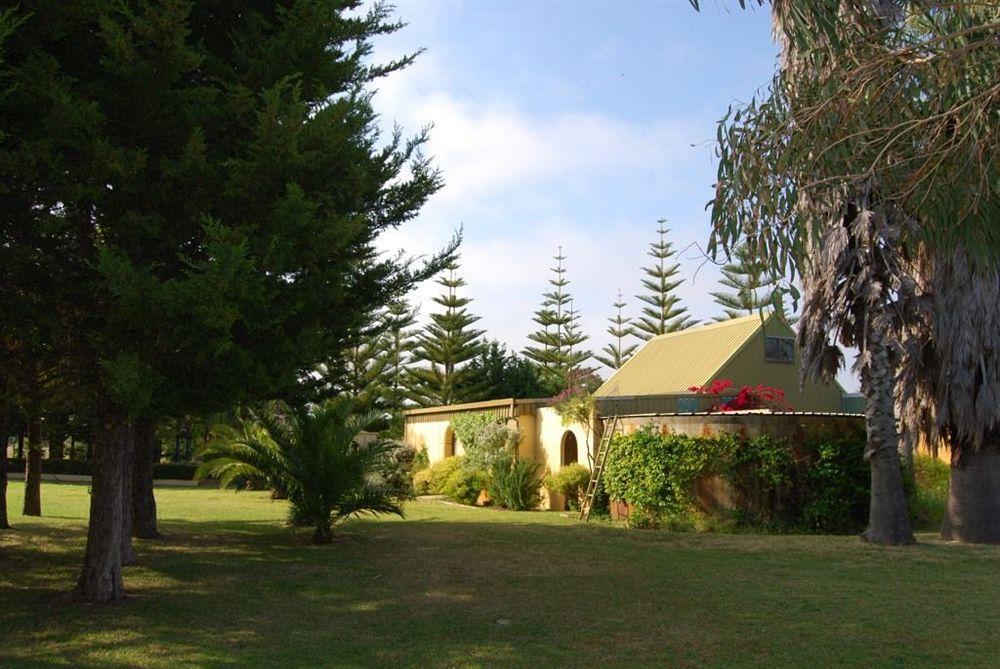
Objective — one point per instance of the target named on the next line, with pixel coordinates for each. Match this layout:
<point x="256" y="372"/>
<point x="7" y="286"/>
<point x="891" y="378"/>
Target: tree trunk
<point x="20" y="443"/>
<point x="974" y="497"/>
<point x="888" y="517"/>
<point x="143" y="501"/>
<point x="33" y="471"/>
<point x="57" y="446"/>
<point x="101" y="578"/>
<point x="128" y="467"/>
<point x="4" y="524"/>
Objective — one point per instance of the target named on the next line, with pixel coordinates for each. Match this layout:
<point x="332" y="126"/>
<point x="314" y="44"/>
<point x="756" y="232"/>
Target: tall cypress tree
<point x="444" y="348"/>
<point x="663" y="312"/>
<point x="559" y="336"/>
<point x="617" y="352"/>
<point x="202" y="187"/>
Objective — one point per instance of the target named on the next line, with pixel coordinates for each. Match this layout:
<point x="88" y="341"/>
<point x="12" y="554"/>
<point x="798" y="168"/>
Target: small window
<point x="779" y="349"/>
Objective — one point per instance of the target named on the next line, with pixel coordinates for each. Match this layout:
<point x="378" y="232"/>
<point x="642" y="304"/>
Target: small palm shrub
<point x="515" y="484"/>
<point x="312" y="454"/>
<point x="571" y="481"/>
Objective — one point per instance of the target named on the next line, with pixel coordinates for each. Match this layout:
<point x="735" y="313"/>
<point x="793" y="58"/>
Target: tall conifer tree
<point x="398" y="344"/>
<point x="558" y="337"/>
<point x="663" y="312"/>
<point x="745" y="282"/>
<point x="444" y="348"/>
<point x="617" y="352"/>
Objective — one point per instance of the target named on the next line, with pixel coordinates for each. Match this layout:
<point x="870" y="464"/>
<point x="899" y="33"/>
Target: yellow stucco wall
<point x="542" y="433"/>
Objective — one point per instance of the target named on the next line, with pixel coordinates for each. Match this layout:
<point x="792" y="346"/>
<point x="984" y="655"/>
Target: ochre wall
<point x="550" y="432"/>
<point x="541" y="442"/>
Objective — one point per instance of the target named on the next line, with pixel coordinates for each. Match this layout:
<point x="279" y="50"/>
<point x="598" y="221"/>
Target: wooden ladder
<point x="599" y="461"/>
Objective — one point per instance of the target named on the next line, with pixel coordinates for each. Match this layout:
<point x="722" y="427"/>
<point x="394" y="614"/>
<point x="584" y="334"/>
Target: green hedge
<point x="177" y="471"/>
<point x="819" y="486"/>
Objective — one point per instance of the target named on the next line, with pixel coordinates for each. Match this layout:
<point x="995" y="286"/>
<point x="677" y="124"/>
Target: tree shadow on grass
<point x="430" y="591"/>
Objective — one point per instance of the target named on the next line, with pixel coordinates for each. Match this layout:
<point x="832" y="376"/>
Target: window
<point x="779" y="349"/>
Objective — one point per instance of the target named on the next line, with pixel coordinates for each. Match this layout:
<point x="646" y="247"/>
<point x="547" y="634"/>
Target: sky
<point x="572" y="124"/>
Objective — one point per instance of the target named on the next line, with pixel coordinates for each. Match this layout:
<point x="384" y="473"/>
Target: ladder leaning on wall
<point x="610" y="428"/>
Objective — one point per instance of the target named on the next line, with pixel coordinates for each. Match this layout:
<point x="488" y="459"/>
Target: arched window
<point x="569" y="454"/>
<point x="449" y="443"/>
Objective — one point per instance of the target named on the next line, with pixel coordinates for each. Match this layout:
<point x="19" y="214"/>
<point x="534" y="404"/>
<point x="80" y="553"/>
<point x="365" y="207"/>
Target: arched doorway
<point x="569" y="449"/>
<point x="449" y="443"/>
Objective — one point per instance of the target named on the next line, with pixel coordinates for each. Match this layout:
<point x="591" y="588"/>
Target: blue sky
<point x="576" y="124"/>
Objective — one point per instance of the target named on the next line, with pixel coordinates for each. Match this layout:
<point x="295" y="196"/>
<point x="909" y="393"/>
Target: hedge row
<point x="820" y="486"/>
<point x="175" y="471"/>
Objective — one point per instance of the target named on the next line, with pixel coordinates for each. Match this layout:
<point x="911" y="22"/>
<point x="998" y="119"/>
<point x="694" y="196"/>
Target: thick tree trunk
<point x="33" y="471"/>
<point x="4" y="524"/>
<point x="143" y="501"/>
<point x="128" y="467"/>
<point x="101" y="578"/>
<point x="974" y="497"/>
<point x="888" y="517"/>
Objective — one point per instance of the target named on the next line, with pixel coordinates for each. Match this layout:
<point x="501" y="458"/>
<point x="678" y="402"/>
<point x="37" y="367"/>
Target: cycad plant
<point x="315" y="455"/>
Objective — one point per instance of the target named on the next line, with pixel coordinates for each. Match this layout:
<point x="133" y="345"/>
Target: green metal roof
<point x="673" y="362"/>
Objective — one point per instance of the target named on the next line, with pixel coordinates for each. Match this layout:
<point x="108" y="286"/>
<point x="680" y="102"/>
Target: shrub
<point x="515" y="484"/>
<point x="421" y="460"/>
<point x="440" y="471"/>
<point x="837" y="487"/>
<point x="422" y="482"/>
<point x="463" y="485"/>
<point x="483" y="437"/>
<point x="571" y="481"/>
<point x="929" y="501"/>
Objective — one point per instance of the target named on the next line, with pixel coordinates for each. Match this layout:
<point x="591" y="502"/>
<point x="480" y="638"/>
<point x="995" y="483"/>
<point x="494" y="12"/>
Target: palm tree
<point x="316" y="455"/>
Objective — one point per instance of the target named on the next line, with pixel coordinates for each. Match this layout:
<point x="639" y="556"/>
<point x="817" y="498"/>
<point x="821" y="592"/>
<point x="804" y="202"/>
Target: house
<point x="749" y="351"/>
<point x="654" y="386"/>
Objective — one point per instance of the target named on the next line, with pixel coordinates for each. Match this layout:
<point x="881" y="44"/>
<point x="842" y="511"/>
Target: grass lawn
<point x="229" y="585"/>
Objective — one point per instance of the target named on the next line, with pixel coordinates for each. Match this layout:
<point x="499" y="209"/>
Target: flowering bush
<point x="748" y="397"/>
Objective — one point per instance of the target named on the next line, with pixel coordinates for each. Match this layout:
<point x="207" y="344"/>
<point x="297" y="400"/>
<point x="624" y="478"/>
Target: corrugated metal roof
<point x="673" y="362"/>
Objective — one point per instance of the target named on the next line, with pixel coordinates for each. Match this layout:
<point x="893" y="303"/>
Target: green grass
<point x="229" y="585"/>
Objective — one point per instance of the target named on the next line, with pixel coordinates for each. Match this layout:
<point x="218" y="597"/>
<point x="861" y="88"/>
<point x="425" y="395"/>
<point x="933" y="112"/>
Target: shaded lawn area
<point x="451" y="586"/>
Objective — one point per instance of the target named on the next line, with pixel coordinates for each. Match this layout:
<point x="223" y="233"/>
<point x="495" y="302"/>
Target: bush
<point x="929" y="501"/>
<point x="837" y="488"/>
<point x="515" y="484"/>
<point x="571" y="481"/>
<point x="484" y="438"/>
<point x="464" y="485"/>
<point x="422" y="482"/>
<point x="826" y="489"/>
<point x="439" y="472"/>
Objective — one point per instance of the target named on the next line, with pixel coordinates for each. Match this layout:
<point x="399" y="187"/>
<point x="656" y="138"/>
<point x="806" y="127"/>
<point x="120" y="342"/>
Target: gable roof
<point x="671" y="363"/>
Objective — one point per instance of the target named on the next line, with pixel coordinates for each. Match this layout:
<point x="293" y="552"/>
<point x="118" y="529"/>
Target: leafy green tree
<point x="663" y="311"/>
<point x="318" y="457"/>
<point x="507" y="374"/>
<point x="558" y="338"/>
<point x="782" y="192"/>
<point x="448" y="343"/>
<point x="618" y="352"/>
<point x="201" y="189"/>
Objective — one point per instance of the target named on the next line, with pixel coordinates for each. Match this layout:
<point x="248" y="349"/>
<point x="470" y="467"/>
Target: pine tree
<point x="398" y="344"/>
<point x="663" y="312"/>
<point x="559" y="335"/>
<point x="445" y="346"/>
<point x="747" y="290"/>
<point x="617" y="352"/>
